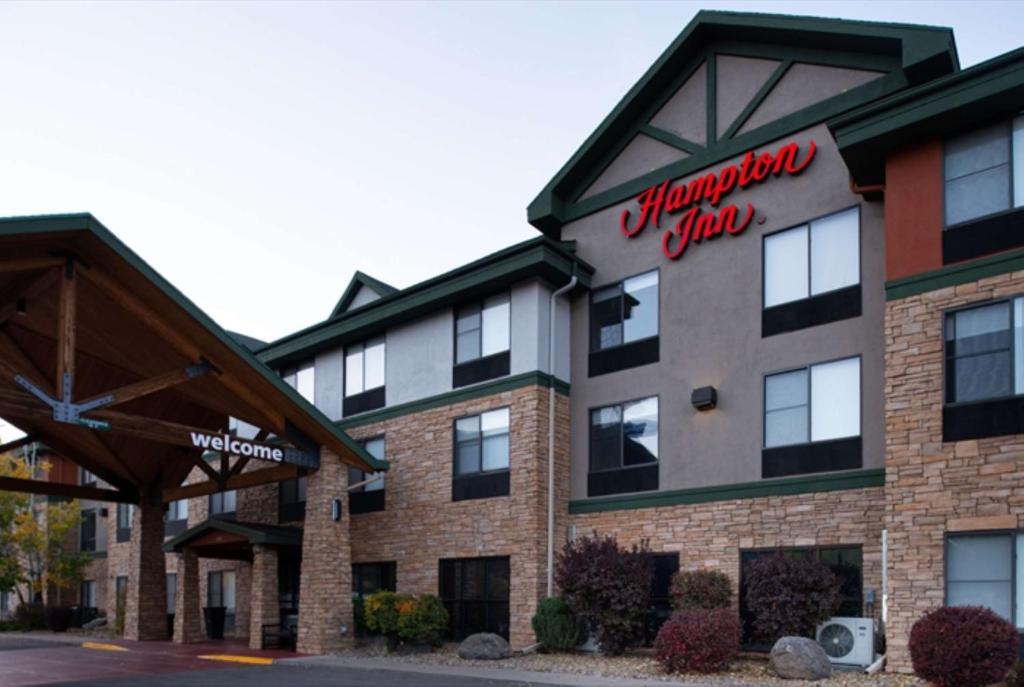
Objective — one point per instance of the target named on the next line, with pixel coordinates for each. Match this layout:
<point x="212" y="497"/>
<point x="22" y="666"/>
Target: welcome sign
<point x="697" y="224"/>
<point x="252" y="449"/>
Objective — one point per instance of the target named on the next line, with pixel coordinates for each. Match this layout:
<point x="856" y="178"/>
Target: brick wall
<point x="934" y="487"/>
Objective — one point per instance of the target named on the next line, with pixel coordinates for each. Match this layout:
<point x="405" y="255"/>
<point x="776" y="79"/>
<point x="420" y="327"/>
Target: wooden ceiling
<point x="130" y="328"/>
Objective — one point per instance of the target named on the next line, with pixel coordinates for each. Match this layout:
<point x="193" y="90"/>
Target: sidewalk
<point x="498" y="674"/>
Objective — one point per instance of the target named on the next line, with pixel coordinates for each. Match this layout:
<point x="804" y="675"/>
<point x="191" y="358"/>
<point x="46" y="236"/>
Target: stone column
<point x="188" y="626"/>
<point x="264" y="604"/>
<point x="325" y="586"/>
<point x="145" y="614"/>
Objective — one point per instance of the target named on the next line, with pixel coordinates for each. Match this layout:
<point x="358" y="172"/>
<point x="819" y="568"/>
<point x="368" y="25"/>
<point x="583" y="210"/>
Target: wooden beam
<point x="14" y="361"/>
<point x="130" y="392"/>
<point x="9" y="310"/>
<point x="278" y="473"/>
<point x="23" y="264"/>
<point x="201" y="463"/>
<point x="66" y="329"/>
<point x="35" y="486"/>
<point x="239" y="465"/>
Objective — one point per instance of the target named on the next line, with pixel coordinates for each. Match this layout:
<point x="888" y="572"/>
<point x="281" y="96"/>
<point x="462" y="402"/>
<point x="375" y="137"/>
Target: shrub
<point x="422" y="620"/>
<point x="555" y="625"/>
<point x="962" y="646"/>
<point x="698" y="640"/>
<point x="608" y="587"/>
<point x="789" y="596"/>
<point x="30" y="616"/>
<point x="693" y="589"/>
<point x="1015" y="678"/>
<point x="58" y="618"/>
<point x="380" y="612"/>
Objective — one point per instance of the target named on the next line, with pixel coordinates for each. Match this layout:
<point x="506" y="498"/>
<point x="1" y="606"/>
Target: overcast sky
<point x="257" y="154"/>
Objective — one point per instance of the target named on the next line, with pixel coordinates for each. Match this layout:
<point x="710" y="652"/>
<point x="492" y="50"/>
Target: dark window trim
<point x="812" y="296"/>
<point x="455" y="329"/>
<point x="482" y="369"/>
<point x="1009" y="162"/>
<point x="621" y="283"/>
<point x="832" y="306"/>
<point x="828" y="455"/>
<point x="946" y="315"/>
<point x="223" y="515"/>
<point x="625" y="357"/>
<point x="994" y="233"/>
<point x="173" y="528"/>
<point x="764" y="402"/>
<point x="372" y="399"/>
<point x="363" y="501"/>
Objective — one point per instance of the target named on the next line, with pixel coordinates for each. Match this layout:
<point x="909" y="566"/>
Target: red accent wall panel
<point x="913" y="211"/>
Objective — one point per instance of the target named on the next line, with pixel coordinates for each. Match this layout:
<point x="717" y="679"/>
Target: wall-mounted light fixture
<point x="336" y="510"/>
<point x="704" y="398"/>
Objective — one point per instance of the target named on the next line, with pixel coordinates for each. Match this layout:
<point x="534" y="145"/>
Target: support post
<point x="188" y="627"/>
<point x="145" y="615"/>
<point x="67" y="327"/>
<point x="264" y="603"/>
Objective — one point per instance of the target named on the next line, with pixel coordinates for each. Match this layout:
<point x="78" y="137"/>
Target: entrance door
<point x="476" y="591"/>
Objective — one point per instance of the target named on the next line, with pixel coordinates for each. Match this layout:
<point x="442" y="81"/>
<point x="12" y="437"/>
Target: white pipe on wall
<point x="551" y="430"/>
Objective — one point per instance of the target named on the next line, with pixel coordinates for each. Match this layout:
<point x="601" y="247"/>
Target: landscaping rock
<point x="95" y="623"/>
<point x="484" y="646"/>
<point x="799" y="658"/>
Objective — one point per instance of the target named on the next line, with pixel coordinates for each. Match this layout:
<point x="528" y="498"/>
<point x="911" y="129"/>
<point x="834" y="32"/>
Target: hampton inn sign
<point x="695" y="224"/>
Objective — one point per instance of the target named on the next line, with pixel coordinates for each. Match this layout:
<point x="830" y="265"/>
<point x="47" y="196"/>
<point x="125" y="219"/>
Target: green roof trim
<point x="255" y="533"/>
<point x="977" y="95"/>
<point x="953" y="275"/>
<point x="907" y="54"/>
<point x="360" y="280"/>
<point x="787" y="486"/>
<point x="468" y="393"/>
<point x="542" y="257"/>
<point x="50" y="224"/>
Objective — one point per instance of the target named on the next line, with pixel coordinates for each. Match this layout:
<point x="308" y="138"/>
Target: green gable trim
<point x="359" y="280"/>
<point x="272" y="535"/>
<point x="907" y="54"/>
<point x="85" y="222"/>
<point x="470" y="393"/>
<point x="550" y="260"/>
<point x="953" y="275"/>
<point x="840" y="481"/>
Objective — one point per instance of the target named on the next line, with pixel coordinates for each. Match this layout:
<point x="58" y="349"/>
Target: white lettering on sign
<point x="242" y="447"/>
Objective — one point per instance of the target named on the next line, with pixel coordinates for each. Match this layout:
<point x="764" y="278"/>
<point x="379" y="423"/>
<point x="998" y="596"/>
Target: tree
<point x="34" y="537"/>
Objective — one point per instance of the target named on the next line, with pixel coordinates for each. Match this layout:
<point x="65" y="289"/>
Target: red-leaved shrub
<point x="962" y="646"/>
<point x="609" y="587"/>
<point x="789" y="596"/>
<point x="701" y="589"/>
<point x="698" y="641"/>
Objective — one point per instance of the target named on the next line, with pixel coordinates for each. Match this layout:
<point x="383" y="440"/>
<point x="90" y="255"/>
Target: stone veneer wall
<point x="934" y="487"/>
<point x="421" y="523"/>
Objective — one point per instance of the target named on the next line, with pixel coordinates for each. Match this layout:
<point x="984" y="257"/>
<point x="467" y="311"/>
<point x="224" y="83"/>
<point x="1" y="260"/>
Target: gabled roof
<point x="360" y="281"/>
<point x="990" y="90"/>
<point x="252" y="533"/>
<point x="903" y="55"/>
<point x="553" y="261"/>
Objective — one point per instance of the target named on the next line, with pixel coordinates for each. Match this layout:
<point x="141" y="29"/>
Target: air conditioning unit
<point x="848" y="641"/>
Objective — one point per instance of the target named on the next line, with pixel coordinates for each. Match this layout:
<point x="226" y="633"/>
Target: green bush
<point x="9" y="626"/>
<point x="380" y="612"/>
<point x="424" y="621"/>
<point x="697" y="589"/>
<point x="555" y="625"/>
<point x="30" y="616"/>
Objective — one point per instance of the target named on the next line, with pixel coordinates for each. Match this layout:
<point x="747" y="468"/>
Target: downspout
<point x="551" y="428"/>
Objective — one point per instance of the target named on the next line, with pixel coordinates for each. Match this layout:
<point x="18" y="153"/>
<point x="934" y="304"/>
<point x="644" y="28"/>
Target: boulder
<point x="95" y="623"/>
<point x="799" y="658"/>
<point x="484" y="646"/>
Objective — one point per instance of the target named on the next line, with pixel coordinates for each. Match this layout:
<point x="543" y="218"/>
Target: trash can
<point x="214" y="617"/>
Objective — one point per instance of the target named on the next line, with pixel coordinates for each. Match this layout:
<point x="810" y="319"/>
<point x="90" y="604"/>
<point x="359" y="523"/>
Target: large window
<point x="812" y="419"/>
<point x="624" y="448"/>
<point x="368" y="497"/>
<point x="985" y="371"/>
<point x="481" y="465"/>
<point x="87" y="539"/>
<point x="986" y="570"/>
<point x="171" y="582"/>
<point x="125" y="512"/>
<point x="220" y="592"/>
<point x="812" y="273"/>
<point x="292" y="500"/>
<point x="302" y="378"/>
<point x="482" y="340"/>
<point x="87" y="594"/>
<point x="476" y="593"/>
<point x="223" y="504"/>
<point x="364" y="376"/>
<point x="624" y="324"/>
<point x="176" y="518"/>
<point x="367" y="579"/>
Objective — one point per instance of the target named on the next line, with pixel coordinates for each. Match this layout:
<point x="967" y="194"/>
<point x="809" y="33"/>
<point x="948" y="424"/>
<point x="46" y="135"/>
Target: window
<point x="125" y="513"/>
<point x="624" y="448"/>
<point x="806" y="407"/>
<point x="302" y="378"/>
<point x="846" y="562"/>
<point x="364" y="376"/>
<point x="482" y="340"/>
<point x="985" y="369"/>
<point x="660" y="608"/>
<point x="172" y="593"/>
<point x="985" y="570"/>
<point x="370" y="578"/>
<point x="176" y="518"/>
<point x="222" y="505"/>
<point x="86" y="478"/>
<point x="87" y="531"/>
<point x="121" y="593"/>
<point x="624" y="324"/>
<point x="476" y="593"/>
<point x="87" y="594"/>
<point x="292" y="500"/>
<point x="481" y="464"/>
<point x="368" y="497"/>
<point x="220" y="592"/>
